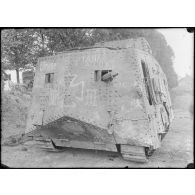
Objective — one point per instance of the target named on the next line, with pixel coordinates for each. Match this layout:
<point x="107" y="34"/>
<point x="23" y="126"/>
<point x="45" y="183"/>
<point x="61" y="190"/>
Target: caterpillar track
<point x="134" y="154"/>
<point x="141" y="158"/>
<point x="129" y="153"/>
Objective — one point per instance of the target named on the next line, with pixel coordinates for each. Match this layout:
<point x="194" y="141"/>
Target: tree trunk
<point x="18" y="76"/>
<point x="43" y="42"/>
<point x="2" y="83"/>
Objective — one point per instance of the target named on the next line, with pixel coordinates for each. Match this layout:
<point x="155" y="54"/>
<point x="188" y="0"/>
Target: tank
<point x="112" y="96"/>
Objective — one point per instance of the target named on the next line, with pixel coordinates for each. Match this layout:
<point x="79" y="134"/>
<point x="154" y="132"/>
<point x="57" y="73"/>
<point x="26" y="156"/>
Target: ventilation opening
<point x="98" y="74"/>
<point x="49" y="78"/>
<point x="118" y="147"/>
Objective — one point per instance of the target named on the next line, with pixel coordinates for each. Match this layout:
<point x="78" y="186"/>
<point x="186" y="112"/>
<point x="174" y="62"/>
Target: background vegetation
<point x="21" y="48"/>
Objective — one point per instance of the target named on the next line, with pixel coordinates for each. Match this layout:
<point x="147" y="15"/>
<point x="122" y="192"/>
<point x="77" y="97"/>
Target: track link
<point x="134" y="153"/>
<point x="134" y="158"/>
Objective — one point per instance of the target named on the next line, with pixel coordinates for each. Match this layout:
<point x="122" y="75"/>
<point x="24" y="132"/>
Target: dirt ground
<point x="176" y="151"/>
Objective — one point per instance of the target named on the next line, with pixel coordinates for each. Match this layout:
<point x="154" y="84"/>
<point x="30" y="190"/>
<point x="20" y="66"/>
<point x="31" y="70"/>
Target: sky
<point x="181" y="42"/>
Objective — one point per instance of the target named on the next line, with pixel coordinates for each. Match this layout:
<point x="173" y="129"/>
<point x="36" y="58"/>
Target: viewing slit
<point x="98" y="74"/>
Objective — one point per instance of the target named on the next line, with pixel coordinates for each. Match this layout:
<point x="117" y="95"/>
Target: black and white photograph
<point x="97" y="97"/>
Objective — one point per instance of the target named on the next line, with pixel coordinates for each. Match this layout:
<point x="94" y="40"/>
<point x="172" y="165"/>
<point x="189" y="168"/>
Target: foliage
<point x="22" y="47"/>
<point x="16" y="50"/>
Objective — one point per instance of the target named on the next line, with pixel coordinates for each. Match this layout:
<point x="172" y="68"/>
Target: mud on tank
<point x="112" y="96"/>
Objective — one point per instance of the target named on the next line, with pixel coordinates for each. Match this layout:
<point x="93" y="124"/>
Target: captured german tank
<point x="112" y="96"/>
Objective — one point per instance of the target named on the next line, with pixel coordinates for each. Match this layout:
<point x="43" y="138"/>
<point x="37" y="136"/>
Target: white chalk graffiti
<point x="74" y="91"/>
<point x="77" y="88"/>
<point x="53" y="97"/>
<point x="91" y="95"/>
<point x="94" y="60"/>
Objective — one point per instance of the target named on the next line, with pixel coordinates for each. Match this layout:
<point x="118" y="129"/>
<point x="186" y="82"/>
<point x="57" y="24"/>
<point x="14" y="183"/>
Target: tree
<point x="23" y="47"/>
<point x="59" y="40"/>
<point x="15" y="49"/>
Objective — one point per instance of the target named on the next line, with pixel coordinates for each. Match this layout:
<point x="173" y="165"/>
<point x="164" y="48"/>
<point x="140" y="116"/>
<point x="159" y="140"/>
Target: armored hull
<point x="113" y="96"/>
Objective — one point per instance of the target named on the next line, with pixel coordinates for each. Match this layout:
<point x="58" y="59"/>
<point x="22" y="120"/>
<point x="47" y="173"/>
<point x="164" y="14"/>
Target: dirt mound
<point x="14" y="112"/>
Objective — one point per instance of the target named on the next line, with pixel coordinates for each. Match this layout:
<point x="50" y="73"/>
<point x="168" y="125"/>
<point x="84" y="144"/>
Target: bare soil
<point x="176" y="151"/>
